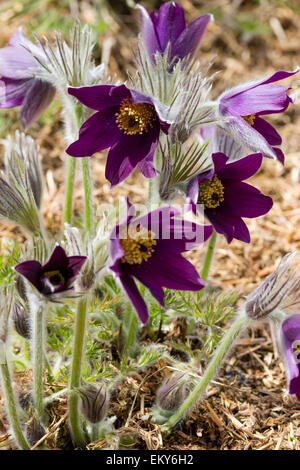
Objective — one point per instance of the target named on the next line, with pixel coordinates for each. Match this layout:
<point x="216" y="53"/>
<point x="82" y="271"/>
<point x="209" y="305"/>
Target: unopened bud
<point x="94" y="403"/>
<point x="21" y="320"/>
<point x="34" y="431"/>
<point x="172" y="392"/>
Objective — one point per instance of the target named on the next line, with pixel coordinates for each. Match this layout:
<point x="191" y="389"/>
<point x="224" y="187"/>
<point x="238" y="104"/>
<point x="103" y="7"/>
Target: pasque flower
<point x="244" y="106"/>
<point x="168" y="27"/>
<point x="290" y="348"/>
<point x="56" y="275"/>
<point x="149" y="249"/>
<point x="21" y="85"/>
<point x="226" y="198"/>
<point x="126" y="121"/>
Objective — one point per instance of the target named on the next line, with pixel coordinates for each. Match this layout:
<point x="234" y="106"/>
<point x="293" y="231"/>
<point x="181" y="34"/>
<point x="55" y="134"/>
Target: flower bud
<point x="21" y="320"/>
<point x="279" y="291"/>
<point x="172" y="392"/>
<point x="94" y="403"/>
<point x="20" y="286"/>
<point x="34" y="431"/>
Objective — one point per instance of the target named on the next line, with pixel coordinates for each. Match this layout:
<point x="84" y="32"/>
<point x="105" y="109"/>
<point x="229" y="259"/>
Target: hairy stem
<point x="209" y="256"/>
<point x="129" y="327"/>
<point x="38" y="337"/>
<point x="11" y="407"/>
<point x="76" y="369"/>
<point x="87" y="185"/>
<point x="227" y="341"/>
<point x="70" y="178"/>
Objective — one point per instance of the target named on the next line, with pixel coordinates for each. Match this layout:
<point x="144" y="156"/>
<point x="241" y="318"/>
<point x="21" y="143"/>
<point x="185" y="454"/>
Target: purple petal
<point x="58" y="260"/>
<point x="241" y="169"/>
<point x="268" y="131"/>
<point x="243" y="200"/>
<point x="290" y="332"/>
<point x="279" y="155"/>
<point x="190" y="38"/>
<point x="147" y="168"/>
<point x="219" y="161"/>
<point x="135" y="297"/>
<point x="124" y="156"/>
<point x="31" y="271"/>
<point x="169" y="23"/>
<point x="98" y="132"/>
<point x="16" y="63"/>
<point x="251" y="88"/>
<point x="168" y="270"/>
<point x="223" y="224"/>
<point x="37" y="99"/>
<point x="148" y="31"/>
<point x="193" y="190"/>
<point x="264" y="99"/>
<point x="12" y="92"/>
<point x="99" y="97"/>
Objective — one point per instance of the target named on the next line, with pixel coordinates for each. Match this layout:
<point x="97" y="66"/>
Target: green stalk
<point x="240" y="323"/>
<point x="70" y="179"/>
<point x="87" y="185"/>
<point x="11" y="407"/>
<point x="38" y="336"/>
<point x="76" y="369"/>
<point x="130" y="327"/>
<point x="209" y="255"/>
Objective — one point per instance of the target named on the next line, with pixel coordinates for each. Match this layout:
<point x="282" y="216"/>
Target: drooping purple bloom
<point x="168" y="26"/>
<point x="19" y="84"/>
<point x="127" y="122"/>
<point x="226" y="198"/>
<point x="150" y="249"/>
<point x="244" y="106"/>
<point x="290" y="348"/>
<point x="55" y="276"/>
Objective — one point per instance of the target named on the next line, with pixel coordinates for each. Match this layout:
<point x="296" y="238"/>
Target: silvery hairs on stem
<point x="280" y="291"/>
<point x="181" y="93"/>
<point x="21" y="183"/>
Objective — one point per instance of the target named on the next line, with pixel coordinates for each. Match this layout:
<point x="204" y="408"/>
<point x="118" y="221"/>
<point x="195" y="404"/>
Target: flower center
<point x="55" y="277"/>
<point x="211" y="193"/>
<point x="296" y="351"/>
<point x="249" y="119"/>
<point x="139" y="247"/>
<point x="135" y="118"/>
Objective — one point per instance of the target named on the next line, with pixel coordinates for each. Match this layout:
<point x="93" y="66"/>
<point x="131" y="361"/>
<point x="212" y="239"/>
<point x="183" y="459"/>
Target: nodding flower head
<point x="278" y="292"/>
<point x="56" y="276"/>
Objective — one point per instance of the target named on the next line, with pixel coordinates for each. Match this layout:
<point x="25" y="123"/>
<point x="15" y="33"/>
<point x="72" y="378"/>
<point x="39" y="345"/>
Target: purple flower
<point x="149" y="249"/>
<point x="244" y="105"/>
<point x="126" y="121"/>
<point x="226" y="198"/>
<point x="290" y="347"/>
<point x="21" y="87"/>
<point x="168" y="26"/>
<point x="56" y="275"/>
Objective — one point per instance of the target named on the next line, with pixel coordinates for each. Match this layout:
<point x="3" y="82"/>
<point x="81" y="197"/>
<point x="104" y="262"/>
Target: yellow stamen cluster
<point x="211" y="193"/>
<point x="135" y="118"/>
<point x="139" y="247"/>
<point x="249" y="119"/>
<point x="55" y="277"/>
